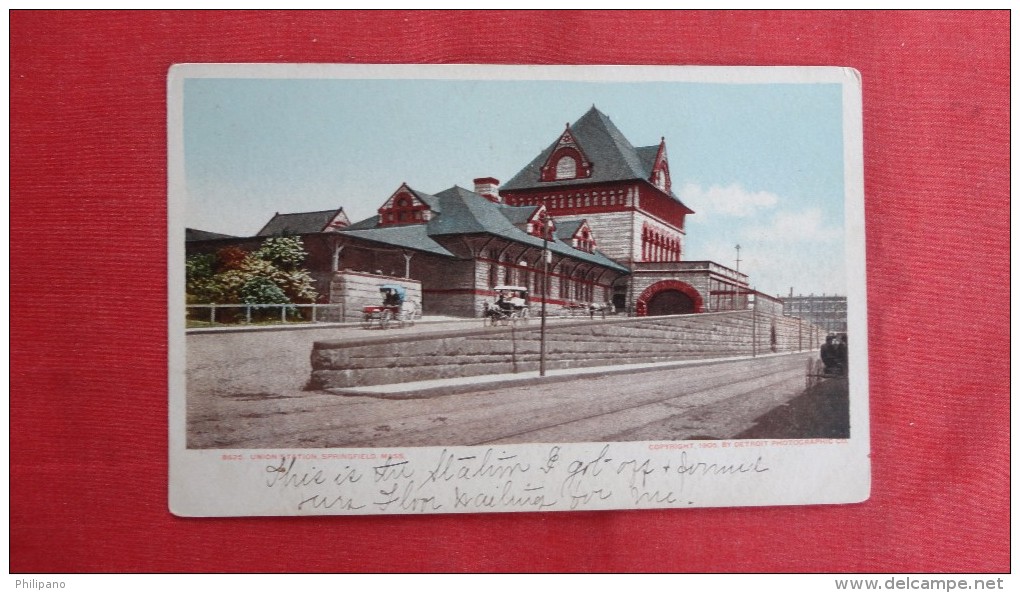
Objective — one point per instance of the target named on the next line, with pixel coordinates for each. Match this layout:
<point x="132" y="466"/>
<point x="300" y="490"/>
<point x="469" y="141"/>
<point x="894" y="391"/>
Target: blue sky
<point x="761" y="164"/>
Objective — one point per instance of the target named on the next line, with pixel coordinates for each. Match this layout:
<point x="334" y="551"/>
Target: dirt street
<point x="721" y="400"/>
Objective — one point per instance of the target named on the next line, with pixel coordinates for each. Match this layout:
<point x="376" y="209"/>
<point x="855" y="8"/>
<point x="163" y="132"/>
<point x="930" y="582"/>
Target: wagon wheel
<point x="366" y="321"/>
<point x="384" y="319"/>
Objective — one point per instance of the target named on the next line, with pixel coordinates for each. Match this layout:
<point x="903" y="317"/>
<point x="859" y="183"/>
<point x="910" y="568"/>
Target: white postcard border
<point x="564" y="476"/>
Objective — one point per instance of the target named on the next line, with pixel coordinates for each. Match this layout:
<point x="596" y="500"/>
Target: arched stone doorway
<point x="670" y="302"/>
<point x="669" y="297"/>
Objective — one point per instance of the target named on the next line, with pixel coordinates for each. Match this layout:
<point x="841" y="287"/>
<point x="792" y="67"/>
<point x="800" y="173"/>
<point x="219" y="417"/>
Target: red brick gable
<point x="660" y="170"/>
<point x="404" y="207"/>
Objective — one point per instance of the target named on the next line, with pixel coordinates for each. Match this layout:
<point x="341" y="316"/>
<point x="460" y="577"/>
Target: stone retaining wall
<point x="496" y="350"/>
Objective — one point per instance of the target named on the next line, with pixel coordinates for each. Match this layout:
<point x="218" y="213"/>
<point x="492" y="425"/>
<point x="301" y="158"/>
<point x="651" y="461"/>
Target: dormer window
<point x="660" y="170"/>
<point x="580" y="236"/>
<point x="538" y="221"/>
<point x="404" y="208"/>
<point x="584" y="241"/>
<point x="660" y="180"/>
<point x="567" y="160"/>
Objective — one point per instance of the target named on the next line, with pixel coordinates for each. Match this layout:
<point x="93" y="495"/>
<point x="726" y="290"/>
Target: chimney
<point x="488" y="187"/>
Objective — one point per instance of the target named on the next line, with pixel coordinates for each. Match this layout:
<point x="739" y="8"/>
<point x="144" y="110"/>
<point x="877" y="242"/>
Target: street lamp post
<point x="546" y="227"/>
<point x="754" y="324"/>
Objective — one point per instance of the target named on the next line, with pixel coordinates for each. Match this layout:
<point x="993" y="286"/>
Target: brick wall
<point x="373" y="361"/>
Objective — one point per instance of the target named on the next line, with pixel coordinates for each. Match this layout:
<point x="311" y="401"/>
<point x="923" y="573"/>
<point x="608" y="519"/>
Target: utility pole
<point x="738" y="257"/>
<point x="754" y="324"/>
<point x="546" y="256"/>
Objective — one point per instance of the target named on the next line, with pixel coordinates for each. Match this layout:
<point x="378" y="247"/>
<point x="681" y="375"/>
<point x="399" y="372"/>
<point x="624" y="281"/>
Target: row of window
<point x="579" y="200"/>
<point x="404" y="210"/>
<point x="659" y="246"/>
<point x="815" y="306"/>
<point x="399" y="216"/>
<point x="577" y="288"/>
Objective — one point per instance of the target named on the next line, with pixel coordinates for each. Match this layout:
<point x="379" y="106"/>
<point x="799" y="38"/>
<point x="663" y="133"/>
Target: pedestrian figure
<point x="391" y="298"/>
<point x="830" y="355"/>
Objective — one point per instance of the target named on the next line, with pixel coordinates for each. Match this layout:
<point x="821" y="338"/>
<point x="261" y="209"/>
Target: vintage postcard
<point x="455" y="289"/>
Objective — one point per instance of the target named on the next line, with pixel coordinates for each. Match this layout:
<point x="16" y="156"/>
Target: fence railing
<point x="233" y="314"/>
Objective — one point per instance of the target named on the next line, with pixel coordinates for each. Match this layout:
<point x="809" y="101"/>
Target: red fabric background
<point x="88" y="283"/>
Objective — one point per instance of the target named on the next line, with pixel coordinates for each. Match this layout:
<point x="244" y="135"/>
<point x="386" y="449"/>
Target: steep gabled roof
<point x="428" y="199"/>
<point x="198" y="235"/>
<point x="518" y="215"/>
<point x="369" y="223"/>
<point x="465" y="212"/>
<point x="613" y="157"/>
<point x="647" y="154"/>
<point x="298" y="223"/>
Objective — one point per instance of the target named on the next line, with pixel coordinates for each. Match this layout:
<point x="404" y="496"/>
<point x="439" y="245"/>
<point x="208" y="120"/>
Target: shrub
<point x="269" y="275"/>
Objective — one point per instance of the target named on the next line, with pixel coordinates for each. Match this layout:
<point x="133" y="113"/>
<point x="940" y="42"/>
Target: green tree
<point x="286" y="253"/>
<point x="199" y="271"/>
<point x="272" y="272"/>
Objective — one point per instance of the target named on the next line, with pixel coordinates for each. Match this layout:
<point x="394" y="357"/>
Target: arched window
<point x="566" y="167"/>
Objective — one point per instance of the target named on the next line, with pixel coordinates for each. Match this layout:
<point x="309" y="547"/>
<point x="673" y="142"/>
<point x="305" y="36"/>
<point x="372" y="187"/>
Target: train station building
<point x="603" y="208"/>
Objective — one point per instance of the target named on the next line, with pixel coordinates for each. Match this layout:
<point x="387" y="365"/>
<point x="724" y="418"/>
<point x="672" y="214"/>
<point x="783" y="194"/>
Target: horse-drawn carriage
<point x="511" y="306"/>
<point x="395" y="309"/>
<point x="574" y="309"/>
<point x="832" y="361"/>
